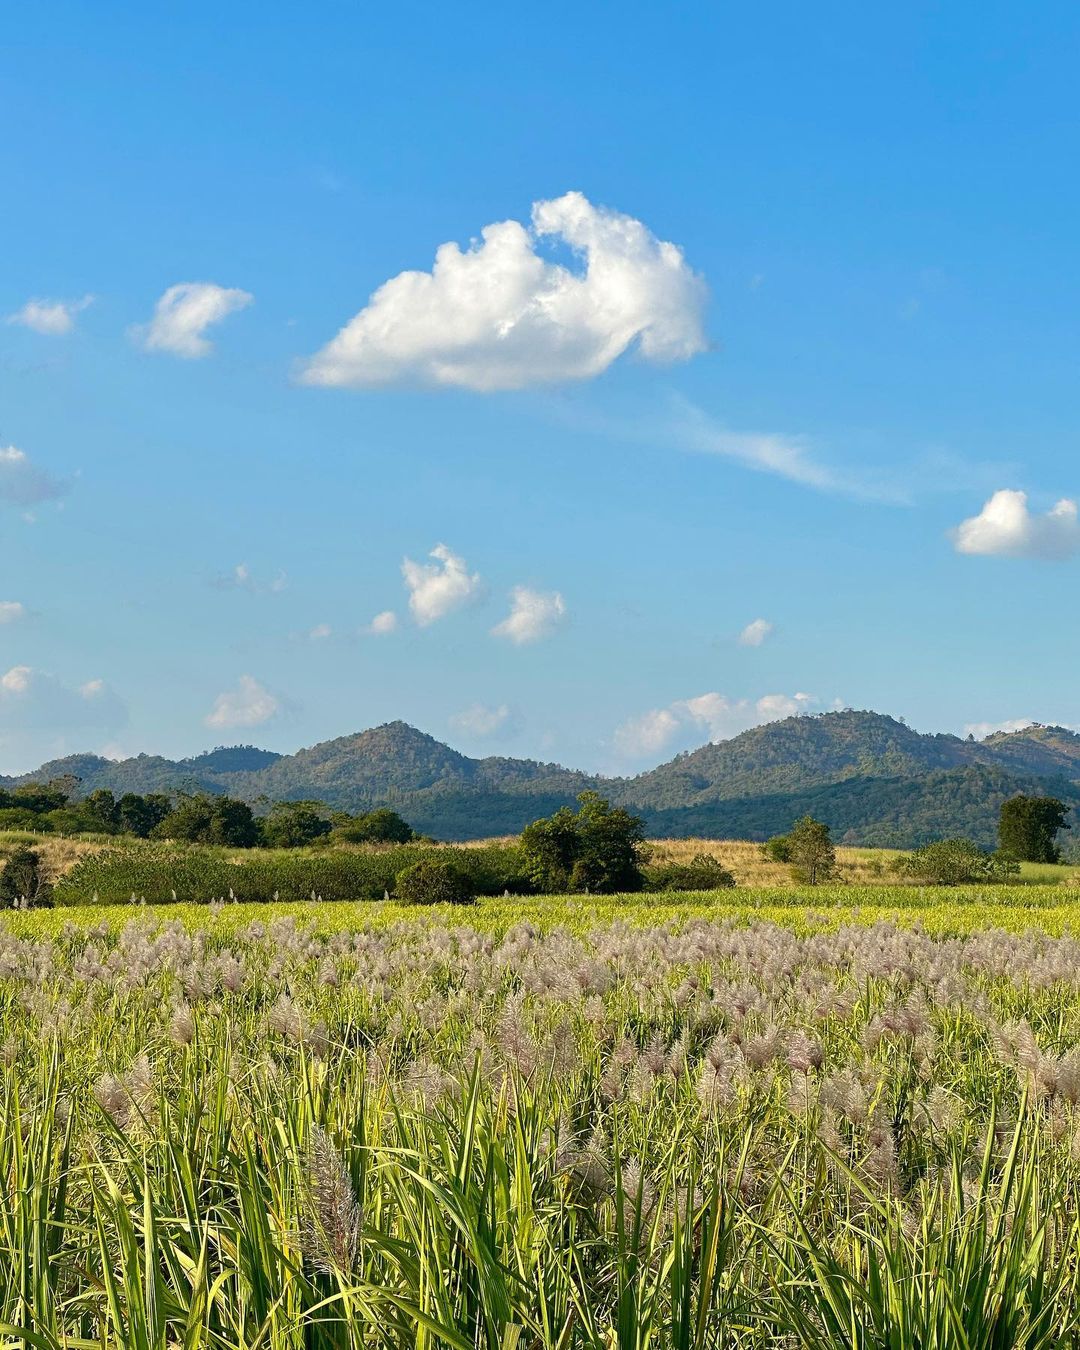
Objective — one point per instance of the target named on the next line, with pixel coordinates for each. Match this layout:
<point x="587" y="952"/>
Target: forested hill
<point x="874" y="779"/>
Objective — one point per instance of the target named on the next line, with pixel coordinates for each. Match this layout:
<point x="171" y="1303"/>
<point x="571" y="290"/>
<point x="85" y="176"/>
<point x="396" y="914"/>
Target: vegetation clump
<point x="23" y="881"/>
<point x="599" y="848"/>
<point x="434" y="881"/>
<point x="1028" y="828"/>
<point x="810" y="851"/>
<point x="702" y="873"/>
<point x="955" y="862"/>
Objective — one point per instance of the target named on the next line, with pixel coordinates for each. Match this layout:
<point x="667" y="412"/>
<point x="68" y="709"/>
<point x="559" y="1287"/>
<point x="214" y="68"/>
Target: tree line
<point x="197" y="818"/>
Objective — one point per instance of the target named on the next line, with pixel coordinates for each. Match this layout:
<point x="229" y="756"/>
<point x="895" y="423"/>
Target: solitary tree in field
<point x="1028" y="827"/>
<point x="811" y="851"/>
<point x="598" y="848"/>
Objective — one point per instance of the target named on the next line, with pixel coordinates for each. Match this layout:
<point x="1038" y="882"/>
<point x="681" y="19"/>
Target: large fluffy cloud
<point x="500" y="315"/>
<point x="249" y="704"/>
<point x="533" y="615"/>
<point x="185" y="312"/>
<point x="712" y="715"/>
<point x="54" y="318"/>
<point x="437" y="588"/>
<point x="1006" y="527"/>
<point x="22" y="483"/>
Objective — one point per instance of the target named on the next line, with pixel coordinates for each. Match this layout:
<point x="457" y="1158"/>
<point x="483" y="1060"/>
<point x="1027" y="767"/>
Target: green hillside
<point x="873" y="778"/>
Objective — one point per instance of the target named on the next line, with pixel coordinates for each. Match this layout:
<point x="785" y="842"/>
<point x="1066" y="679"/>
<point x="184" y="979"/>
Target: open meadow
<point x="768" y="1116"/>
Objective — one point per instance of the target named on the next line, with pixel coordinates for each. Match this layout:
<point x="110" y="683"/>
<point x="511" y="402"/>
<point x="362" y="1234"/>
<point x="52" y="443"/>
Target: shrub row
<point x="159" y="874"/>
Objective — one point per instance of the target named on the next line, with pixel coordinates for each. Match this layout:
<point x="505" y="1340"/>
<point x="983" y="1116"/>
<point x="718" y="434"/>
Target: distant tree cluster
<point x="198" y="818"/>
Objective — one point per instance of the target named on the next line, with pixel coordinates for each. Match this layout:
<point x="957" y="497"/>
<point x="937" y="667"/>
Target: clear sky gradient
<point x="879" y="205"/>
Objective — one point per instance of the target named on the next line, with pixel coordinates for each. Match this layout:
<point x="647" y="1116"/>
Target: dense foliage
<point x="598" y="848"/>
<point x="955" y="862"/>
<point x="1028" y="828"/>
<point x="22" y="880"/>
<point x="702" y="873"/>
<point x="163" y="873"/>
<point x="434" y="880"/>
<point x="713" y="1138"/>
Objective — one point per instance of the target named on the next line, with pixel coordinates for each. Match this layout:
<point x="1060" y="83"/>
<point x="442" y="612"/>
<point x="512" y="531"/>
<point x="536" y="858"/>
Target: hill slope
<point x="874" y="779"/>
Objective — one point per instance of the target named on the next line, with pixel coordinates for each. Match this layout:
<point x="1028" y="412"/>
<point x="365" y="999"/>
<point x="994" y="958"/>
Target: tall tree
<point x="1028" y="828"/>
<point x="811" y="851"/>
<point x="598" y="848"/>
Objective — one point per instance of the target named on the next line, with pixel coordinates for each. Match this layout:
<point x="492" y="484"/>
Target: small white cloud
<point x="436" y="589"/>
<point x="35" y="700"/>
<point x="1006" y="528"/>
<point x="499" y="315"/>
<point x="481" y="722"/>
<point x="241" y="578"/>
<point x="11" y="611"/>
<point x="22" y="483"/>
<point x="16" y="680"/>
<point x="54" y="318"/>
<point x="980" y="730"/>
<point x="755" y="633"/>
<point x="248" y="705"/>
<point x="713" y="714"/>
<point x="320" y="632"/>
<point x="383" y="623"/>
<point x="533" y="615"/>
<point x="184" y="313"/>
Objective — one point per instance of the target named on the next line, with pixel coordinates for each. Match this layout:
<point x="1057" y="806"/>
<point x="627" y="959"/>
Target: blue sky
<point x="818" y="413"/>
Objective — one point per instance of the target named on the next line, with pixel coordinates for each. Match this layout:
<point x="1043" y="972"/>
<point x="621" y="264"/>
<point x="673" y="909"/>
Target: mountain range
<point x="870" y="776"/>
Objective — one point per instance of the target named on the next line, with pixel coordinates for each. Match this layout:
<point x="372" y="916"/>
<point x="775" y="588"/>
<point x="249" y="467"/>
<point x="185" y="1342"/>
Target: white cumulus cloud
<point x="481" y="722"/>
<point x="385" y="622"/>
<point x="22" y="483"/>
<point x="437" y="588"/>
<point x="499" y="315"/>
<point x="11" y="611"/>
<point x="713" y="715"/>
<point x="755" y="633"/>
<point x="1006" y="527"/>
<point x="53" y="318"/>
<point x="533" y="615"/>
<point x="249" y="704"/>
<point x="185" y="312"/>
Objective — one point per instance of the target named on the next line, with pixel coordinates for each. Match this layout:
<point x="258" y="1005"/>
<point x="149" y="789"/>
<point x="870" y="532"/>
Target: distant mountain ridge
<point x="874" y="779"/>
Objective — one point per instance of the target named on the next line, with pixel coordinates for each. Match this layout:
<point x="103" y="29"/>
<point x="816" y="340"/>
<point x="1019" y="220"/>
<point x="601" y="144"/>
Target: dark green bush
<point x="18" y="818"/>
<point x="702" y="873"/>
<point x="777" y="849"/>
<point x="955" y="862"/>
<point x="158" y="873"/>
<point x="22" y="879"/>
<point x="381" y="826"/>
<point x="434" y="881"/>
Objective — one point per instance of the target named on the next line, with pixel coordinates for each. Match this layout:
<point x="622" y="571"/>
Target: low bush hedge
<point x="702" y="873"/>
<point x="160" y="873"/>
<point x="434" y="881"/>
